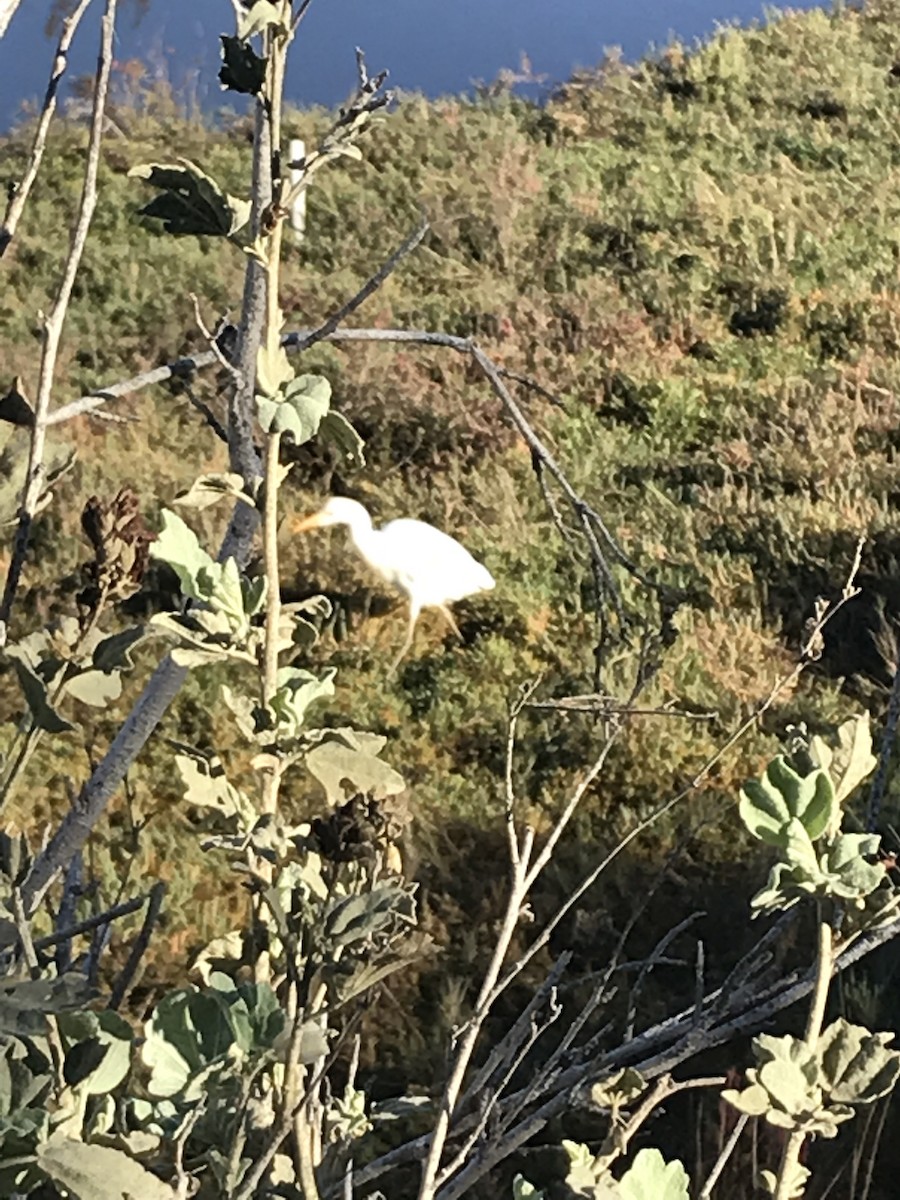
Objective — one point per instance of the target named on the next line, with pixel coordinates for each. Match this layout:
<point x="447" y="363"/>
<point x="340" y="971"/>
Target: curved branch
<point x="19" y="196"/>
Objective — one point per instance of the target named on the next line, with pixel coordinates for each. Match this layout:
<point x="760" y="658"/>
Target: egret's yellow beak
<point x="302" y="524"/>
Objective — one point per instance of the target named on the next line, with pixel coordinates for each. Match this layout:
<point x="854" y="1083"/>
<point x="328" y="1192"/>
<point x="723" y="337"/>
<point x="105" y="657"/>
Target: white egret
<point x="432" y="568"/>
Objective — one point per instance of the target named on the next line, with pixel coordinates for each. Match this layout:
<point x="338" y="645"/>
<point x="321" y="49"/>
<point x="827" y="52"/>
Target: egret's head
<point x="338" y="510"/>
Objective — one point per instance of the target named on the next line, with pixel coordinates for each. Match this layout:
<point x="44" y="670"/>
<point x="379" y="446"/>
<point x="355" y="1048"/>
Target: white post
<point x="298" y="208"/>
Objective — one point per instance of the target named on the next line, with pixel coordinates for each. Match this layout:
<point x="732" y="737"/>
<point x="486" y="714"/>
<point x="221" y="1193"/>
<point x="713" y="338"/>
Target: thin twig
<point x="518" y="1033"/>
<point x="535" y="1030"/>
<point x="371" y="285"/>
<point x="888" y="739"/>
<point x="658" y="951"/>
<point x="525" y="694"/>
<point x="91" y="923"/>
<point x="181" y="368"/>
<point x="272" y="772"/>
<point x="664" y="1087"/>
<point x="469" y="1036"/>
<point x="142" y="941"/>
<point x="876" y="1143"/>
<point x="52" y="331"/>
<point x="609" y="706"/>
<point x="726" y="1153"/>
<point x="212" y="340"/>
<point x="206" y="412"/>
<point x="53" y="323"/>
<point x="300" y="14"/>
<point x="183" y="1180"/>
<point x="185" y="367"/>
<point x="65" y="913"/>
<point x="20" y="194"/>
<point x="29" y="954"/>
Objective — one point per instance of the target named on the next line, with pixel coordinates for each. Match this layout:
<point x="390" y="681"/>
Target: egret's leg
<point x="448" y="617"/>
<point x="413" y="617"/>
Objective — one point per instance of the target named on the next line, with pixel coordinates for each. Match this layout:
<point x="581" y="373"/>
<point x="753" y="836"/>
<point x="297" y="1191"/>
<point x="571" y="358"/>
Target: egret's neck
<point x="361" y="530"/>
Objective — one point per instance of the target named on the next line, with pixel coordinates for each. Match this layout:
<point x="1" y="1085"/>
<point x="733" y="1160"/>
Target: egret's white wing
<point x="429" y="564"/>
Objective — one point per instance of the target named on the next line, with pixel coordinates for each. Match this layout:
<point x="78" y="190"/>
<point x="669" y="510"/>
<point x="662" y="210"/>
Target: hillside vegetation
<point x="700" y="257"/>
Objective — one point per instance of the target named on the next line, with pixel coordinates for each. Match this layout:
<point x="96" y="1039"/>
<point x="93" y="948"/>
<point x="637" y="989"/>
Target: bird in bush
<point x="432" y="568"/>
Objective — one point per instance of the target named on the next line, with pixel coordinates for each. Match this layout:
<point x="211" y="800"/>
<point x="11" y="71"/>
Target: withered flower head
<point x="359" y="828"/>
<point x="121" y="543"/>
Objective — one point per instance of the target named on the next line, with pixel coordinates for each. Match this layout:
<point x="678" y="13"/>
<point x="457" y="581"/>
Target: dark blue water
<point x="434" y="46"/>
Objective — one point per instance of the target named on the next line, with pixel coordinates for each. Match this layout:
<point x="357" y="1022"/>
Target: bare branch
<point x="299" y="15"/>
<point x="371" y="285"/>
<point x="53" y="323"/>
<point x="139" y="949"/>
<point x="7" y="12"/>
<point x="182" y="368"/>
<point x="91" y="923"/>
<point x="19" y="196"/>
<point x="608" y="706"/>
<point x="726" y="1152"/>
<point x="165" y="683"/>
<point x="206" y="413"/>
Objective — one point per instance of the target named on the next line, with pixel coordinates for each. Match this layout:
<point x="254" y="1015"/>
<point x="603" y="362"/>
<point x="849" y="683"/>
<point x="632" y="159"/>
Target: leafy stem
<point x="790" y="1158"/>
<point x="273" y="606"/>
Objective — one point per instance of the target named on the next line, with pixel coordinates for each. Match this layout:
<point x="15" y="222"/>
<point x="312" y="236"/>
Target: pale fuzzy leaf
<point x="753" y="1100"/>
<point x="297" y="690"/>
<point x="298" y="409"/>
<point x="650" y="1177"/>
<point x="583" y="1175"/>
<point x="96" y="688"/>
<point x="24" y="1003"/>
<point x="795" y="1181"/>
<point x="852" y="759"/>
<point x="857" y="1065"/>
<point x="206" y="786"/>
<point x="179" y="547"/>
<point x="346" y="150"/>
<point x="207" y="489"/>
<point x="228" y="948"/>
<point x="281" y="1171"/>
<point x="112" y="1034"/>
<point x="245" y="710"/>
<point x="263" y="14"/>
<point x="344" y="772"/>
<point x="99" y="1172"/>
<point x="769" y="804"/>
<point x="189" y="657"/>
<point x="523" y="1190"/>
<point x="619" y="1090"/>
<point x="273" y="371"/>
